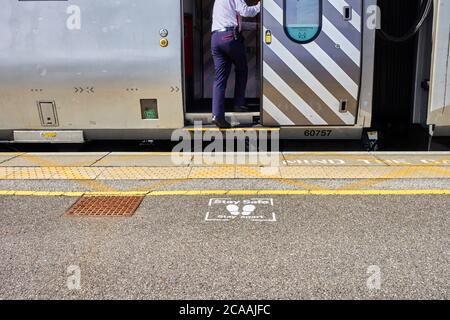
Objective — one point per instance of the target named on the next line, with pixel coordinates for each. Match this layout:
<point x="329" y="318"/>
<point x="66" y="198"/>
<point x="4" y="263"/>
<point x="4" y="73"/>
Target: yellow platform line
<point x="191" y="193"/>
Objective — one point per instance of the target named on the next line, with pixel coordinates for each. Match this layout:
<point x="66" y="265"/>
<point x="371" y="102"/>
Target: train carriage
<point x="77" y="70"/>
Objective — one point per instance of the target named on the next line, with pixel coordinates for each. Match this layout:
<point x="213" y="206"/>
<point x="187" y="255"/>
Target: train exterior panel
<point x="312" y="62"/>
<point x="90" y="66"/>
<point x="439" y="102"/>
<point x="77" y="70"/>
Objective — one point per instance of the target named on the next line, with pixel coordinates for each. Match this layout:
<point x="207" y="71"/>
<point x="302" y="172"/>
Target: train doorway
<point x="199" y="67"/>
<point x="402" y="68"/>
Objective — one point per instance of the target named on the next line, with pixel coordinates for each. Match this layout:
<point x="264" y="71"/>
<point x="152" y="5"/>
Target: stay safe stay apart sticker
<point x="251" y="209"/>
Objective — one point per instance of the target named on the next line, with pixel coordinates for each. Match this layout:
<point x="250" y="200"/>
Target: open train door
<point x="311" y="62"/>
<point x="439" y="103"/>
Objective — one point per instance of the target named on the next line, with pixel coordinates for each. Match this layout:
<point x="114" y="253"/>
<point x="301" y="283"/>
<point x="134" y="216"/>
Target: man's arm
<point x="247" y="11"/>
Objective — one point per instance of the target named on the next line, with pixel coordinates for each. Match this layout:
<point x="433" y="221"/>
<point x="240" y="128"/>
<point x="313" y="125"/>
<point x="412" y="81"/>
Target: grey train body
<point x="81" y="70"/>
<point x="96" y="73"/>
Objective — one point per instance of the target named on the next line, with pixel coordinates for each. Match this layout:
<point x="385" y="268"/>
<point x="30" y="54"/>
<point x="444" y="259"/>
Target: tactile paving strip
<point x="144" y="173"/>
<point x="105" y="206"/>
<point x="74" y="173"/>
<point x="213" y="173"/>
<point x="38" y="173"/>
<point x="258" y="173"/>
<point x="224" y="172"/>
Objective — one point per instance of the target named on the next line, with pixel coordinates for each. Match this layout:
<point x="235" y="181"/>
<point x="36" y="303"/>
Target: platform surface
<point x="323" y="223"/>
<point x="169" y="166"/>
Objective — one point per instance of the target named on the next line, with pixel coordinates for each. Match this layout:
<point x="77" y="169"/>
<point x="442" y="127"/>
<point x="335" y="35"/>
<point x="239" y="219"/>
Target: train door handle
<point x="347" y="13"/>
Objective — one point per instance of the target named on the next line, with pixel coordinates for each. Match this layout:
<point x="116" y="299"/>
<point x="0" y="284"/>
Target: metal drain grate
<point x="114" y="206"/>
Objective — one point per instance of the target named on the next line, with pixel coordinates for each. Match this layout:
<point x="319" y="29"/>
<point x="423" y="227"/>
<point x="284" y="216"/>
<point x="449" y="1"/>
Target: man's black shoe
<point x="221" y="122"/>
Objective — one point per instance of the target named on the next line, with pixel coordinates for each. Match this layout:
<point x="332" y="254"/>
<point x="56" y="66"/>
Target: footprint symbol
<point x="248" y="210"/>
<point x="233" y="209"/>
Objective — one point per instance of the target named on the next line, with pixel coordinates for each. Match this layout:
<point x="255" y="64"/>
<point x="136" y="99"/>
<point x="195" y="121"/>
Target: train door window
<point x="302" y="19"/>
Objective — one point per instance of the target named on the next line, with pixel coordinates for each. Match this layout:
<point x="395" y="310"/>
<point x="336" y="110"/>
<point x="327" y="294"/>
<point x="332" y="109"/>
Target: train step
<point x="248" y="119"/>
<point x="246" y="128"/>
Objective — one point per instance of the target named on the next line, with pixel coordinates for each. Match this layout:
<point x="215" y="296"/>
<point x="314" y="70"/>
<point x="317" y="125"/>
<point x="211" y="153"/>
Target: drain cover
<point x="105" y="206"/>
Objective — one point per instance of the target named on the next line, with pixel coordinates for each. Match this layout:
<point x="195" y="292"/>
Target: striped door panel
<point x="305" y="84"/>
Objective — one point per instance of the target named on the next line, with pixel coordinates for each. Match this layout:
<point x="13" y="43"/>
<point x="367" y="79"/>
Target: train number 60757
<point x="318" y="133"/>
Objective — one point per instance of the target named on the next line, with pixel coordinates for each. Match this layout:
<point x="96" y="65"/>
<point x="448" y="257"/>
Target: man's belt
<point x="225" y="29"/>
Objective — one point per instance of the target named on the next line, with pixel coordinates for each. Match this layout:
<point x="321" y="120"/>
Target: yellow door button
<point x="268" y="37"/>
<point x="163" y="43"/>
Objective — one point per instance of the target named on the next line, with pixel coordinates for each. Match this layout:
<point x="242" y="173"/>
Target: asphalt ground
<point x="222" y="184"/>
<point x="319" y="247"/>
<point x="207" y="235"/>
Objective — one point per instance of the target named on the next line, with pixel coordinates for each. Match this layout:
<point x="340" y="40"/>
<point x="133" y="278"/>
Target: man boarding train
<point x="227" y="46"/>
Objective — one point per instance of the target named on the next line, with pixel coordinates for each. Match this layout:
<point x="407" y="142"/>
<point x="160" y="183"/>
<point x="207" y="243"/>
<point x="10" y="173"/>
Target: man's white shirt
<point x="227" y="13"/>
